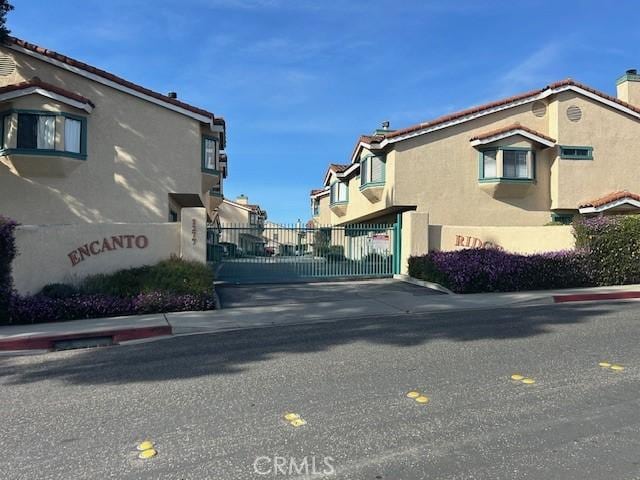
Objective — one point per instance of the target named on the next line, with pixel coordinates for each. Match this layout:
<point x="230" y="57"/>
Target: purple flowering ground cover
<point x="40" y="308"/>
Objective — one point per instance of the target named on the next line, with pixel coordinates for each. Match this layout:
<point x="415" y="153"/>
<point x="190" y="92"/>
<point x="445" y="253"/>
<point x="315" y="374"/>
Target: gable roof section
<point x="510" y="131"/>
<point x="319" y="192"/>
<point x="37" y="86"/>
<point x="340" y="171"/>
<point x="488" y="108"/>
<point x="611" y="200"/>
<point x="109" y="79"/>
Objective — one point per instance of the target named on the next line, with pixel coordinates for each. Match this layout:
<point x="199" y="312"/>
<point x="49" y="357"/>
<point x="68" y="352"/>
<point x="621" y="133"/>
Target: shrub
<point x="613" y="244"/>
<point x="58" y="290"/>
<point x="335" y="253"/>
<point x="7" y="254"/>
<point x="174" y="276"/>
<point x="492" y="270"/>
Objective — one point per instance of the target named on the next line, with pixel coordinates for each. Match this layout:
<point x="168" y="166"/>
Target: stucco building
<point x="82" y="145"/>
<point x="527" y="160"/>
<point x="241" y="226"/>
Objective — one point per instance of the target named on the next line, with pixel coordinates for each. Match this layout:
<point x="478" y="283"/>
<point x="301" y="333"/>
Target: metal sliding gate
<point x="271" y="253"/>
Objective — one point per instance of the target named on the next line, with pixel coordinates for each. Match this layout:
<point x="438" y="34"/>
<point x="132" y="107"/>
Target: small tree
<point x="5" y="7"/>
<point x="7" y="254"/>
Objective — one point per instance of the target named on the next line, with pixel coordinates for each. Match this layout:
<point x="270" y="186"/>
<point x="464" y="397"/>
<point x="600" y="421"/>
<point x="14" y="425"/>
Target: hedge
<point x="478" y="270"/>
<point x="613" y="244"/>
<point x="7" y="254"/>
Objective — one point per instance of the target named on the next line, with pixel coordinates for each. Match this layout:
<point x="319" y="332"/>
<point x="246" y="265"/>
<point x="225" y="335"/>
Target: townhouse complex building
<point x="538" y="157"/>
<point x="82" y="145"/>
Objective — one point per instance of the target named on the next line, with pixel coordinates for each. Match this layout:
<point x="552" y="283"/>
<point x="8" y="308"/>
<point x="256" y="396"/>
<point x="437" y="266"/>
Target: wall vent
<point x="574" y="113"/>
<point x="7" y="65"/>
<point x="539" y="108"/>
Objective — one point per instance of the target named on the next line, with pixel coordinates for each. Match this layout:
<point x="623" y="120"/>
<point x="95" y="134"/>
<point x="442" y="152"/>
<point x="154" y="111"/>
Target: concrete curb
<point x="591" y="297"/>
<point x="47" y="342"/>
<point x="423" y="283"/>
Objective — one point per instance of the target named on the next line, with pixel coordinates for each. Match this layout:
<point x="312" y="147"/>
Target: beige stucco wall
<point x="47" y="253"/>
<point x="438" y="172"/>
<point x="521" y="239"/>
<point x="138" y="152"/>
<point x="324" y="215"/>
<point x="615" y="138"/>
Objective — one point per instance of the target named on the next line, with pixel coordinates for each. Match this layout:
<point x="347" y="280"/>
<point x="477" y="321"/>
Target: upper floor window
<point x="36" y="131"/>
<point x="576" y="153"/>
<point x="514" y="164"/>
<point x="506" y="163"/>
<point x="253" y="218"/>
<point x="489" y="164"/>
<point x="339" y="192"/>
<point x="372" y="170"/>
<point x="72" y="135"/>
<point x="209" y="145"/>
<point x="316" y="207"/>
<point x="33" y="131"/>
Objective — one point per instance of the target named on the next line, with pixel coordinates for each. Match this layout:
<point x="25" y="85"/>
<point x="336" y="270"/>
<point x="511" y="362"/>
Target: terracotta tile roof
<point x="338" y="168"/>
<point x="37" y="83"/>
<point x="510" y="128"/>
<point x="317" y="191"/>
<point x="612" y="197"/>
<point x="487" y="106"/>
<point x="109" y="76"/>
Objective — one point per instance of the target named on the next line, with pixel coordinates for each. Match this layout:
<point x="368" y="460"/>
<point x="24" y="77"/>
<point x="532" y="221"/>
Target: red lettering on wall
<point x="96" y="247"/>
<point x="474" y="242"/>
<point x="142" y="241"/>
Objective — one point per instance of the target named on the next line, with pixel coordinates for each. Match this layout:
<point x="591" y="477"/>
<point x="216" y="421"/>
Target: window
<point x="563" y="218"/>
<point x="514" y="164"/>
<point x="72" y="135"/>
<point x="36" y="131"/>
<point x="339" y="192"/>
<point x="209" y="153"/>
<point x="253" y="218"/>
<point x="372" y="170"/>
<point x="576" y="153"/>
<point x="173" y="216"/>
<point x="6" y="126"/>
<point x="316" y="207"/>
<point x="489" y="164"/>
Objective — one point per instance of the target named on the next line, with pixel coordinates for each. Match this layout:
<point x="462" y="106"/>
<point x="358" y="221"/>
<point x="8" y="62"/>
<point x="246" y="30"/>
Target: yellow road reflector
<point x="413" y="394"/>
<point x="604" y="364"/>
<point x="617" y="368"/>
<point x="298" y="422"/>
<point x="528" y="381"/>
<point x="291" y="416"/>
<point x="422" y="399"/>
<point x="146" y="445"/>
<point x="150" y="452"/>
<point x="517" y="376"/>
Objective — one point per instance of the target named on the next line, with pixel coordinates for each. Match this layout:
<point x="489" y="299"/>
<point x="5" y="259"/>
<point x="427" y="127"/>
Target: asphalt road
<point x="214" y="403"/>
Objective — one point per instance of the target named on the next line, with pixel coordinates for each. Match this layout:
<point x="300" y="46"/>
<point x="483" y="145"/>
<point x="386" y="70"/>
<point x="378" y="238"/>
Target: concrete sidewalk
<point x="362" y="299"/>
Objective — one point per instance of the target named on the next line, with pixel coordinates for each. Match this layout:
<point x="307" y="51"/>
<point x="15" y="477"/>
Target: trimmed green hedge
<point x="7" y="254"/>
<point x="613" y="244"/>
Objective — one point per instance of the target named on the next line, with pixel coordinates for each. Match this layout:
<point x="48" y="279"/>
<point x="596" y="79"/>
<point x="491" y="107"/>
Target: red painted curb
<point x="120" y="335"/>
<point x="595" y="296"/>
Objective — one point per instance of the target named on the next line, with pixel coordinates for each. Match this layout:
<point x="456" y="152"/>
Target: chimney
<point x="242" y="200"/>
<point x="384" y="129"/>
<point x="172" y="95"/>
<point x="628" y="87"/>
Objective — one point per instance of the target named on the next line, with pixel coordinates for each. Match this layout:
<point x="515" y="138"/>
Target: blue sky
<point x="299" y="80"/>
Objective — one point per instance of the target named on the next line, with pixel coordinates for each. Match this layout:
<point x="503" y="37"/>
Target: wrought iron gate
<point x="270" y="253"/>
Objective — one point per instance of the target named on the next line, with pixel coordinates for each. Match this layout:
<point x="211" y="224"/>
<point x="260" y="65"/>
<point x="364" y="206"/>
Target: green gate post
<point x="397" y="245"/>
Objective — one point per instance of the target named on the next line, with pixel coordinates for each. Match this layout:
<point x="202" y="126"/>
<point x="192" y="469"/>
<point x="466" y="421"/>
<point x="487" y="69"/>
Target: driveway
<point x="235" y="296"/>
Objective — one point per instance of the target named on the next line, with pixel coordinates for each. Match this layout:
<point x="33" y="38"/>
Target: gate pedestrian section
<point x="271" y="253"/>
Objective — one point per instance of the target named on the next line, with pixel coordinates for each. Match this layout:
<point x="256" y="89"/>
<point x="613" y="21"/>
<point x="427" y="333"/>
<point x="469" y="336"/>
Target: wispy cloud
<point x="535" y="69"/>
